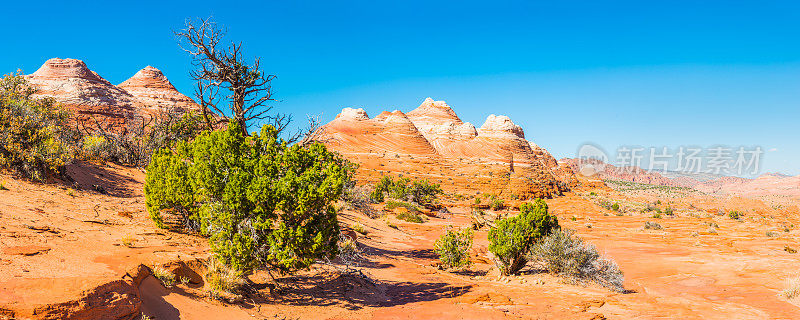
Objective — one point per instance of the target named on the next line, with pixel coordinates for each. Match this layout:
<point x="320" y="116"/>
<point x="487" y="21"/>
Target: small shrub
<point x="789" y="249"/>
<point x="496" y="203"/>
<point x="511" y="239"/>
<point x="358" y="198"/>
<point x="772" y="234"/>
<point x="349" y="253"/>
<point x="669" y="211"/>
<point x="421" y="192"/>
<point x="410" y="217"/>
<point x="222" y="280"/>
<point x="3" y="186"/>
<point x="573" y="218"/>
<point x="657" y="215"/>
<point x="391" y="205"/>
<point x="359" y="228"/>
<point x="35" y="139"/>
<point x="615" y="207"/>
<point x="652" y="225"/>
<point x="133" y="142"/>
<point x="792" y="288"/>
<point x="128" y="241"/>
<point x="453" y="248"/>
<point x="185" y="280"/>
<point x="95" y="147"/>
<point x="391" y="225"/>
<point x="167" y="278"/>
<point x="564" y="254"/>
<point x="735" y="215"/>
<point x="592" y="193"/>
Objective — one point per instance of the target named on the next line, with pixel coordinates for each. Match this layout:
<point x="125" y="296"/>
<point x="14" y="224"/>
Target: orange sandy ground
<point x="56" y="242"/>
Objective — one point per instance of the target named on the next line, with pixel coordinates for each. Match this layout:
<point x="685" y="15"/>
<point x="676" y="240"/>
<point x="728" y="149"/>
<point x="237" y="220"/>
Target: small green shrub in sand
<point x="453" y="248"/>
<point x="511" y="239"/>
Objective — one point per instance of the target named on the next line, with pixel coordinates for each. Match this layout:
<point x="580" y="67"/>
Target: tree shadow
<point x="102" y="179"/>
<point x="412" y="254"/>
<point x="354" y="291"/>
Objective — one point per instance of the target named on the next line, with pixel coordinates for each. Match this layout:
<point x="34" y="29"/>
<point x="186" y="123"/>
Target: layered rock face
<point x="391" y="132"/>
<point x="433" y="142"/>
<point x="71" y="83"/>
<point x="85" y="92"/>
<point x="154" y="91"/>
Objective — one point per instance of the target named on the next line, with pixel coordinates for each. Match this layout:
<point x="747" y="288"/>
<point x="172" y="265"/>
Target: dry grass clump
<point x="792" y="288"/>
<point x="564" y="254"/>
<point x="652" y="226"/>
<point x="128" y="241"/>
<point x="359" y="228"/>
<point x="166" y="277"/>
<point x="223" y="282"/>
<point x="410" y="217"/>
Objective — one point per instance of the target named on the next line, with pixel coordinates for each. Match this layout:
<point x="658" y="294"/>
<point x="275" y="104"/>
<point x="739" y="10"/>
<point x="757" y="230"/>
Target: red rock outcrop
<point x="87" y="94"/>
<point x="495" y="158"/>
<point x="390" y="132"/>
<point x="81" y="90"/>
<point x="154" y="91"/>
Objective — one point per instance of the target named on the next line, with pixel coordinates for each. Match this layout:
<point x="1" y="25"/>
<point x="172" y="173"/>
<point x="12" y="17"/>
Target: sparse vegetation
<point x="652" y="225"/>
<point x="221" y="280"/>
<point x="735" y="215"/>
<point x="453" y="248"/>
<point x="564" y="254"/>
<point x="418" y="191"/>
<point x="3" y="185"/>
<point x="133" y="142"/>
<point x="511" y="240"/>
<point x="359" y="228"/>
<point x="358" y="198"/>
<point x="128" y="241"/>
<point x="167" y="278"/>
<point x="392" y="204"/>
<point x="349" y="254"/>
<point x="35" y="139"/>
<point x="409" y="216"/>
<point x="772" y="234"/>
<point x="495" y="203"/>
<point x="792" y="289"/>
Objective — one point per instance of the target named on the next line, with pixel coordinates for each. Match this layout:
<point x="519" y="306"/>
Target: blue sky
<point x="611" y="73"/>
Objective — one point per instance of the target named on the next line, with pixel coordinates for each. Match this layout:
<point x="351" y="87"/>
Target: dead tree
<point x="224" y="79"/>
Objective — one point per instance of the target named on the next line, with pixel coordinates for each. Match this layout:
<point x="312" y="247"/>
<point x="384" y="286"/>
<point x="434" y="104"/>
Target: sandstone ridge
<point x="86" y="93"/>
<point x="432" y="140"/>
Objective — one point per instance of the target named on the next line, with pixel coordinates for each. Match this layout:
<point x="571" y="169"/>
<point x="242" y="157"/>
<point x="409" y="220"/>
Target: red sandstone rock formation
<point x="85" y="93"/>
<point x="155" y="92"/>
<point x="496" y="156"/>
<point x="81" y="90"/>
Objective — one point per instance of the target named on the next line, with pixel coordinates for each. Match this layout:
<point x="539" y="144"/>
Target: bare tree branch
<point x="218" y="68"/>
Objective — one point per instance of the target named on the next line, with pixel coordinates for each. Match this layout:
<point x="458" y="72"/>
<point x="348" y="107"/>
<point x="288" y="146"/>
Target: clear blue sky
<point x="608" y="72"/>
